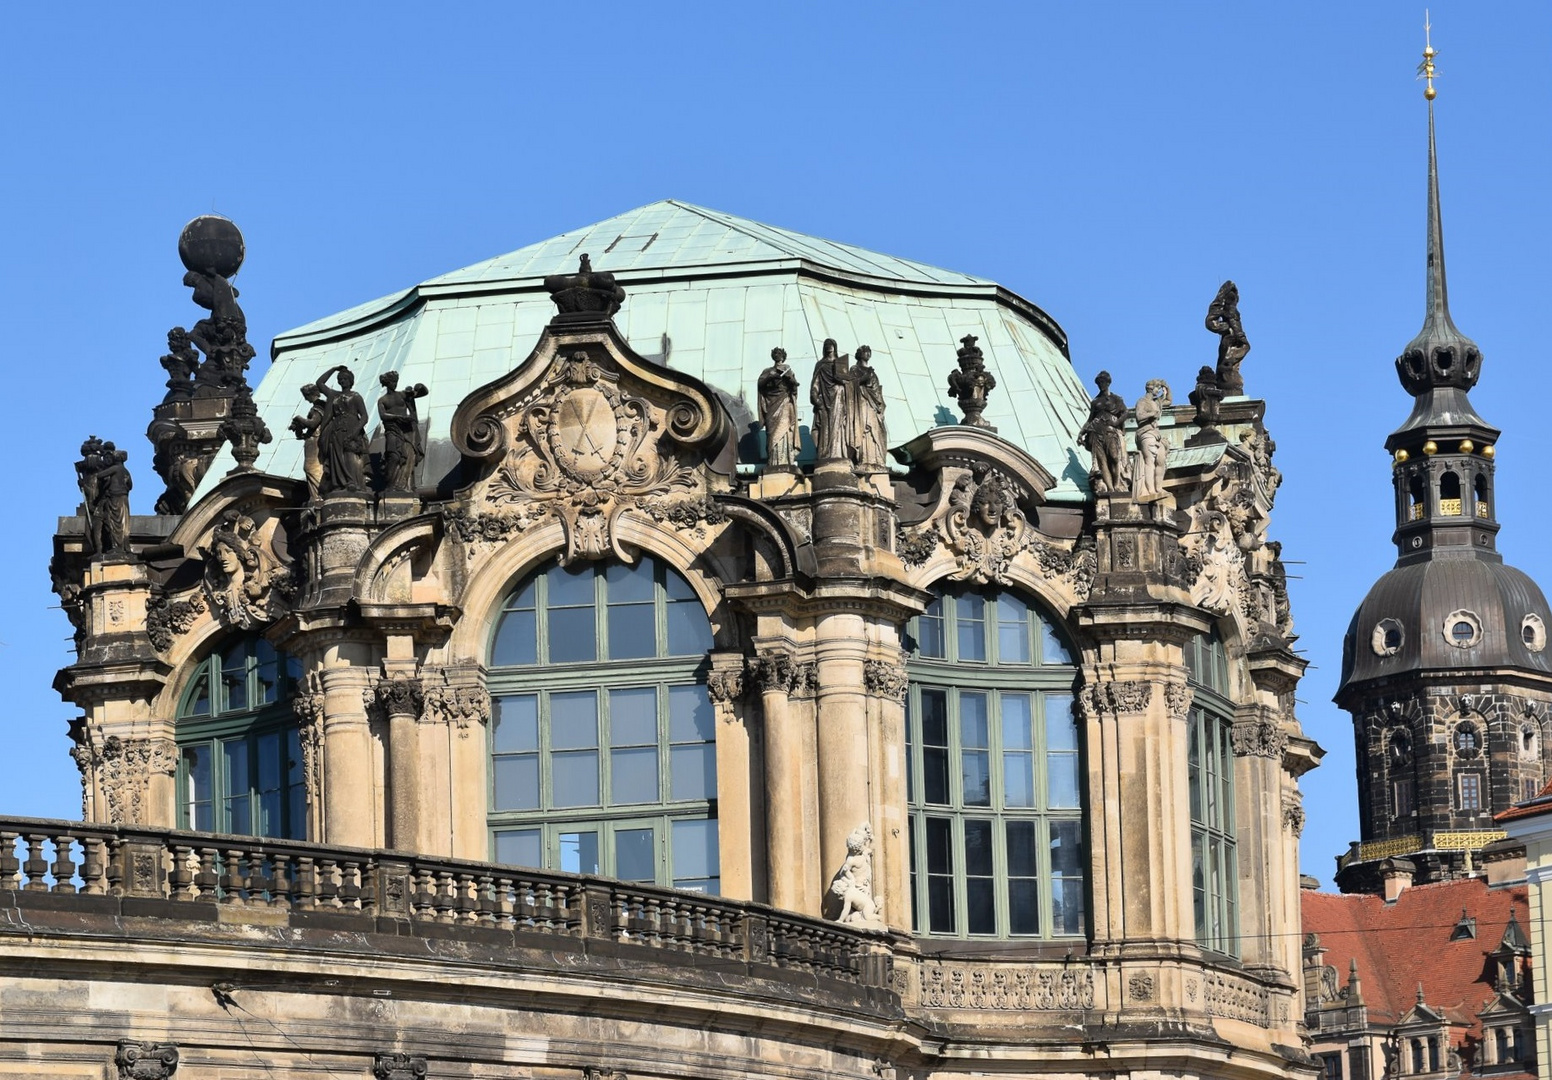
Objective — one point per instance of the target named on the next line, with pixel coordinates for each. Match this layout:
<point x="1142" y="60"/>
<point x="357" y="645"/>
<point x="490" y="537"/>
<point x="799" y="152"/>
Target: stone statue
<point x="180" y="363"/>
<point x="223" y="335"/>
<point x="971" y="383"/>
<point x="1223" y="320"/>
<point x="1103" y="435"/>
<point x="828" y="395"/>
<point x="244" y="429"/>
<point x="870" y="441"/>
<point x="1152" y="450"/>
<point x="778" y="392"/>
<point x="342" y="435"/>
<point x="403" y="446"/>
<point x="1206" y="397"/>
<point x="105" y="485"/>
<point x="853" y="885"/>
<point x="306" y="429"/>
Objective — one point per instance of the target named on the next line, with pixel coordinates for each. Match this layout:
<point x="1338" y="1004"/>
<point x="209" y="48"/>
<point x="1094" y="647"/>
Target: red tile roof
<point x="1540" y="804"/>
<point x="1400" y="945"/>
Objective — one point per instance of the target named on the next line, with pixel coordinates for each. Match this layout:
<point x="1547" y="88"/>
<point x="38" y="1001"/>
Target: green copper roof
<point x="708" y="294"/>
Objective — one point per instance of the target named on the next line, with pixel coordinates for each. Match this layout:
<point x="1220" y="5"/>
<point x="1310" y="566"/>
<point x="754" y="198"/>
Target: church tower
<point x="1445" y="668"/>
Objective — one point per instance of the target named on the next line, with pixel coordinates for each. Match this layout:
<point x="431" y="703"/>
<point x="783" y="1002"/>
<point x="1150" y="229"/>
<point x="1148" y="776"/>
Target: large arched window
<point x="1210" y="763"/>
<point x="603" y="747"/>
<point x="994" y="772"/>
<point x="239" y="755"/>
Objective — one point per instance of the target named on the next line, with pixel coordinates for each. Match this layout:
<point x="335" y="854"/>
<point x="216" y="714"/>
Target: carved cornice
<point x="724" y="686"/>
<point x="1114" y="697"/>
<point x="1259" y="738"/>
<point x="456" y="701"/>
<point x="771" y="671"/>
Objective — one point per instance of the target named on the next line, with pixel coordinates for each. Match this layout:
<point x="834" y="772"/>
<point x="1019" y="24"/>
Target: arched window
<point x="1210" y="763"/>
<point x="1484" y="502"/>
<point x="994" y="774"/>
<point x="1449" y="495"/>
<point x="603" y="751"/>
<point x="239" y="753"/>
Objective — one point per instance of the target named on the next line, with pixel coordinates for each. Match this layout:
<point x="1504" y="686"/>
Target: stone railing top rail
<point x="64" y="858"/>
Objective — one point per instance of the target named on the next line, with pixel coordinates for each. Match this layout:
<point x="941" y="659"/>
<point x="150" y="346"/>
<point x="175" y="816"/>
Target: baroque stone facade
<point x="407" y="640"/>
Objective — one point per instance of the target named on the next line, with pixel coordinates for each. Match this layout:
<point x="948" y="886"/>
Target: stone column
<point x="886" y="682"/>
<point x="454" y="733"/>
<point x="772" y="670"/>
<point x="725" y="685"/>
<point x="840" y="649"/>
<point x="351" y="793"/>
<point x="400" y="697"/>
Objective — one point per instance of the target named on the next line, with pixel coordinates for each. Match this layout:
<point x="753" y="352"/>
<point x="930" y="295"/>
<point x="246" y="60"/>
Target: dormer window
<point x="1465" y="927"/>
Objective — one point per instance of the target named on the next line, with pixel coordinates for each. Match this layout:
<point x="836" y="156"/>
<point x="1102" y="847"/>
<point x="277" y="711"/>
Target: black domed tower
<point x="1445" y="668"/>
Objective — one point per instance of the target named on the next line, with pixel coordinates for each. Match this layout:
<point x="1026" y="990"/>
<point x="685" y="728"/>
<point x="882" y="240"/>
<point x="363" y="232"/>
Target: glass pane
<point x="235" y="770"/>
<point x="524" y="599"/>
<point x="1066" y="848"/>
<point x="574" y="720"/>
<point x="574" y="778"/>
<point x="196" y="767"/>
<point x="1023" y="853"/>
<point x="689" y="634"/>
<point x="518" y="847"/>
<point x="677" y="587"/>
<point x="517" y="782"/>
<point x="516" y="720"/>
<point x="934" y="727"/>
<point x="1018" y="779"/>
<point x="239" y="816"/>
<point x="972" y="721"/>
<point x="570" y="586"/>
<point x="632" y="631"/>
<point x="628" y="584"/>
<point x="929" y="632"/>
<point x="517" y="640"/>
<point x="1024" y="906"/>
<point x="975" y="771"/>
<point x="633" y="716"/>
<point x="1067" y="913"/>
<point x="978" y="848"/>
<point x="940" y="848"/>
<point x="693" y="771"/>
<point x="1052" y="648"/>
<point x="633" y="775"/>
<point x="935" y="775"/>
<point x="970" y="614"/>
<point x="269" y="672"/>
<point x="934" y="718"/>
<point x="940" y="905"/>
<point x="695" y="850"/>
<point x="635" y="855"/>
<point x="234" y="688"/>
<point x="579" y="852"/>
<point x="1061" y="781"/>
<point x="1061" y="723"/>
<point x="980" y="909"/>
<point x="270" y="822"/>
<point x="572" y="635"/>
<point x="269" y="761"/>
<point x="1017" y="725"/>
<point x="1012" y="631"/>
<point x="690" y="715"/>
<point x="199" y="697"/>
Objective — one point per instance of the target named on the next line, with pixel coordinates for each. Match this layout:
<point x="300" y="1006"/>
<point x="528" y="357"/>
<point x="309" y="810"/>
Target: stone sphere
<point x="211" y="242"/>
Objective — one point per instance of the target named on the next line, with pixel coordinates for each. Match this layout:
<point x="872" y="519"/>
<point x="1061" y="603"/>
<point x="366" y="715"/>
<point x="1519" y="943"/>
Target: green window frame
<point x="994" y="772"/>
<point x="603" y="735"/>
<point x="239" y="748"/>
<point x="1210" y="781"/>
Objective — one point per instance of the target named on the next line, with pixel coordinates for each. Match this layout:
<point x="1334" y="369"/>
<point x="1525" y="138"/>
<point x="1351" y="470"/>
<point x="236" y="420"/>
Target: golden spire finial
<point x="1425" y="70"/>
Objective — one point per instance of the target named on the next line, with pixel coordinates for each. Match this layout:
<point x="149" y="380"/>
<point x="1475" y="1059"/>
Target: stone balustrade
<point x="226" y="876"/>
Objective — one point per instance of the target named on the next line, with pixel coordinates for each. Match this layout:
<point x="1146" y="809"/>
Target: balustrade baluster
<point x="425" y="894"/>
<point x="368" y="875"/>
<point x="350" y="883"/>
<point x="64" y="864"/>
<point x="328" y="883"/>
<point x="305" y="894"/>
<point x="180" y="883"/>
<point x="208" y="880"/>
<point x="92" y="866"/>
<point x="485" y="899"/>
<point x="36" y="866"/>
<point x="466" y="904"/>
<point x="446" y="901"/>
<point x="10" y="867"/>
<point x="233" y="882"/>
<point x="280" y="881"/>
<point x="505" y="897"/>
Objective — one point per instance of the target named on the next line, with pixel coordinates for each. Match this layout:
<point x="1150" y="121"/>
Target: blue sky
<point x="1111" y="162"/>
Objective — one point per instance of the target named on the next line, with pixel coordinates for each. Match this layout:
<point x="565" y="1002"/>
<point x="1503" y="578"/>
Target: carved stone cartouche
<point x="586" y="294"/>
<point x="971" y="382"/>
<point x="399" y="1066"/>
<point x="145" y="1061"/>
<point x="1223" y="320"/>
<point x="246" y="584"/>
